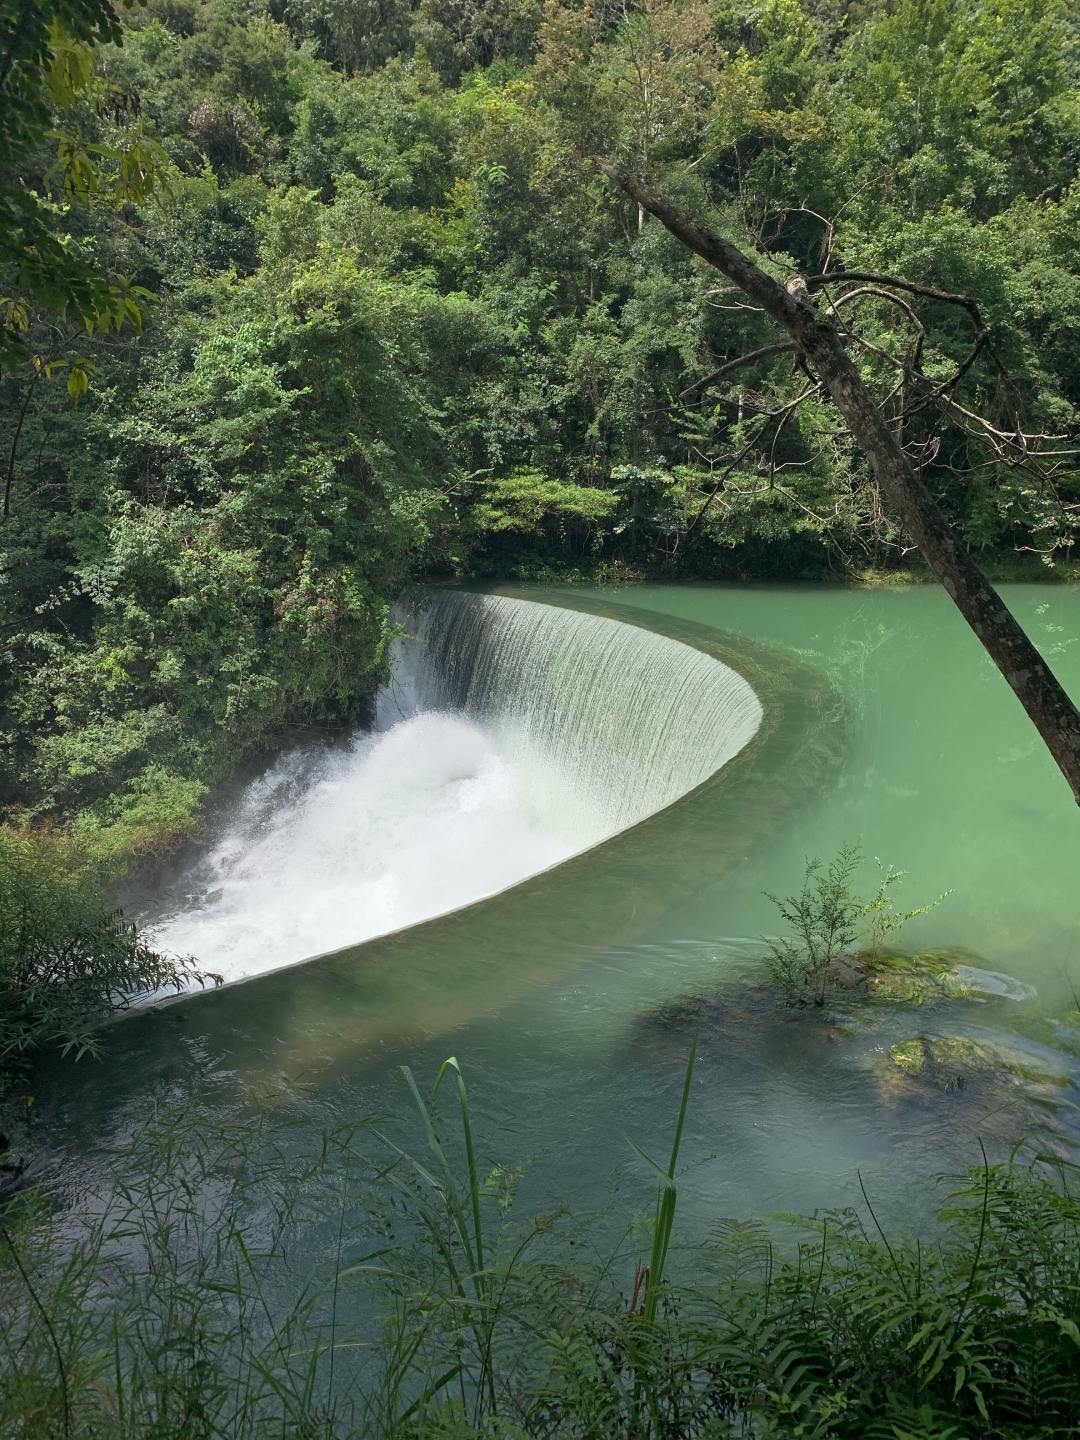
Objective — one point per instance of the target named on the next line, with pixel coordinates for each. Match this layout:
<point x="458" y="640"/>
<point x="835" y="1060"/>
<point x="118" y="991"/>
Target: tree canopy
<point x="393" y="323"/>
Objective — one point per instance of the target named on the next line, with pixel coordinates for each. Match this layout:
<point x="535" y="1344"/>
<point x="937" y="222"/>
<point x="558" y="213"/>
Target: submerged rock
<point x="673" y="1014"/>
<point x="912" y="979"/>
<point x="748" y="1020"/>
<point x="945" y="1062"/>
<point x="887" y="977"/>
<point x="926" y="1065"/>
<point x="995" y="1085"/>
<point x="847" y="972"/>
<point x="879" y="979"/>
<point x="980" y="984"/>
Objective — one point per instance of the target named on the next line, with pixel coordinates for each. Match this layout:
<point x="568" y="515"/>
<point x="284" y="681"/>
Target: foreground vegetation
<point x="66" y="959"/>
<point x="175" y="1313"/>
<point x="69" y="961"/>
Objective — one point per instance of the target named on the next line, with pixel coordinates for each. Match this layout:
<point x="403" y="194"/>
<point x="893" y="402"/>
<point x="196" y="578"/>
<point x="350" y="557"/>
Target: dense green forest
<point x="370" y="315"/>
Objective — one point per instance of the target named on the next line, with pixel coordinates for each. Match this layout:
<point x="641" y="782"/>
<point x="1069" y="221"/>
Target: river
<point x="571" y="998"/>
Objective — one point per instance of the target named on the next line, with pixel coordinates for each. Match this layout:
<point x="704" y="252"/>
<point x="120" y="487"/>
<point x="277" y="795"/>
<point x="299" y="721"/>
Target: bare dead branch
<point x="897" y="282"/>
<point x="791" y="307"/>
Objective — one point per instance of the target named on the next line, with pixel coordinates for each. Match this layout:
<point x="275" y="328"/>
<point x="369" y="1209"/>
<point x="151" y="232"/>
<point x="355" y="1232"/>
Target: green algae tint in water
<point x="571" y="999"/>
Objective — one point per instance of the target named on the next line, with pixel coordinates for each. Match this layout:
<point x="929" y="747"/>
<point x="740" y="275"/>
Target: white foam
<point x="331" y="849"/>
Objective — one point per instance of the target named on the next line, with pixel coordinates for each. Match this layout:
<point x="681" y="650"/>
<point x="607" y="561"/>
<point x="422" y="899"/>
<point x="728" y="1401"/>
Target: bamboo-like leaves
<point x="664" y="1218"/>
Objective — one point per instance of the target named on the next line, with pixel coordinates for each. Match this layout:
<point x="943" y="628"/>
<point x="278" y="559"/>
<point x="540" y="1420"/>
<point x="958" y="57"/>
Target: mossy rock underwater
<point x="995" y="1077"/>
<point x="928" y="976"/>
<point x="748" y="1017"/>
<point x="882" y="978"/>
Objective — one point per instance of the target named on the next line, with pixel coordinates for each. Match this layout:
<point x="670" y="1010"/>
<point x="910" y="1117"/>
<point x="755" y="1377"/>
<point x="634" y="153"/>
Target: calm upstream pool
<point x="884" y="725"/>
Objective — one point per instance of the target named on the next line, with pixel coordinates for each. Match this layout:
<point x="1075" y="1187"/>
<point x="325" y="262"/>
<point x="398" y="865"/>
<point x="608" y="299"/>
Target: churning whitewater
<point x="512" y="735"/>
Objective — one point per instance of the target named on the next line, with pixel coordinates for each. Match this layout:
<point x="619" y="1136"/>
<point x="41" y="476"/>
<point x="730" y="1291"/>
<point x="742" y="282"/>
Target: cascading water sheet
<point x="512" y="736"/>
<point x="627" y="719"/>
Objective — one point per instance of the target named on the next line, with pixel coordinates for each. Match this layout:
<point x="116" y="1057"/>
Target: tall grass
<point x="178" y="1312"/>
<point x="664" y="1221"/>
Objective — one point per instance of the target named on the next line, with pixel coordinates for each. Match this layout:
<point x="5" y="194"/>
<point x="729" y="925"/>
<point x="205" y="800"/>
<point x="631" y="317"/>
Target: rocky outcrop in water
<point x="928" y="976"/>
<point x="998" y="1081"/>
<point x="1002" y="1089"/>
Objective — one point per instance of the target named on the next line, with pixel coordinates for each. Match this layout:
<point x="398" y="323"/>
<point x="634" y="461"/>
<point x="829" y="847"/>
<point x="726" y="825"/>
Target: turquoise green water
<point x="942" y="776"/>
<point x="890" y="729"/>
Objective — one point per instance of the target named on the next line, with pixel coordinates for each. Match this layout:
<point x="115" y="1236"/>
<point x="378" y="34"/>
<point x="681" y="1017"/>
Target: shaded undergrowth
<point x="186" y="1303"/>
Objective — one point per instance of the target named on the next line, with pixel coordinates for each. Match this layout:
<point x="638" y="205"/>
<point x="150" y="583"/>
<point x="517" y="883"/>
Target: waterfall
<point x="513" y="734"/>
<point x="627" y="719"/>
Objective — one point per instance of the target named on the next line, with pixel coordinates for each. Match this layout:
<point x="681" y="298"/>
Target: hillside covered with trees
<point x="383" y="320"/>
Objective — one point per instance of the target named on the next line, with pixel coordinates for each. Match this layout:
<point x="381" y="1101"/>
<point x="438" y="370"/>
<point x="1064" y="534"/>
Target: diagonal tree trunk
<point x="1032" y="681"/>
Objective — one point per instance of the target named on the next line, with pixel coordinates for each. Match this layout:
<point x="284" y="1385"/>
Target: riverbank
<point x="1002" y="568"/>
<point x="157" y="1320"/>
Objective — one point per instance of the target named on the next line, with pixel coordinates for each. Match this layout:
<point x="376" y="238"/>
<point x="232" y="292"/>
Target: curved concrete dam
<point x="545" y="782"/>
<point x="512" y="736"/>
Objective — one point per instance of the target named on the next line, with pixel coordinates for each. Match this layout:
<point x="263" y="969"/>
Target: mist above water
<point x="512" y="736"/>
